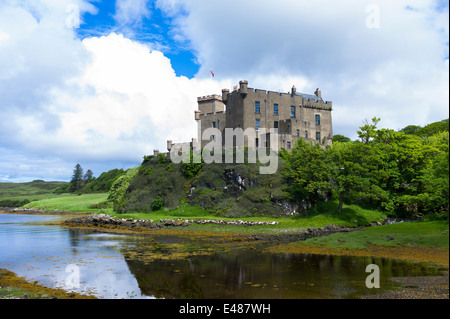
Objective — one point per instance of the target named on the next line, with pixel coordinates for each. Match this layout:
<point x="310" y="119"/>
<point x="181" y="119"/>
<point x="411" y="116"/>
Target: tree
<point x="306" y="173"/>
<point x="368" y="131"/>
<point x="118" y="191"/>
<point x="76" y="182"/>
<point x="340" y="138"/>
<point x="410" y="129"/>
<point x="88" y="176"/>
<point x="348" y="170"/>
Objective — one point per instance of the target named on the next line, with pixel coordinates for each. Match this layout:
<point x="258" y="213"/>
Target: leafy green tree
<point x="117" y="193"/>
<point x="410" y="129"/>
<point x="103" y="182"/>
<point x="368" y="131"/>
<point x="349" y="173"/>
<point x="433" y="128"/>
<point x="435" y="177"/>
<point x="340" y="138"/>
<point x="306" y="172"/>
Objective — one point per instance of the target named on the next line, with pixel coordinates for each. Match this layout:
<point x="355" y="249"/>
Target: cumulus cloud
<point x="101" y="99"/>
<point x="396" y="69"/>
<point x="111" y="99"/>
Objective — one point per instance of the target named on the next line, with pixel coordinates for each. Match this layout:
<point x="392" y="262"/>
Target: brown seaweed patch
<point x="12" y="286"/>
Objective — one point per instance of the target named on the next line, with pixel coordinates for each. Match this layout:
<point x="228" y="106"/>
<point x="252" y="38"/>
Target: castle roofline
<point x="209" y="98"/>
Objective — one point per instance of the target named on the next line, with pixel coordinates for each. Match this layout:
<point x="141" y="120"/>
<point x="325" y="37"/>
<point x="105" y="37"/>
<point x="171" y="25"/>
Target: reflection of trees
<point x="249" y="274"/>
<point x="244" y="275"/>
<point x="74" y="237"/>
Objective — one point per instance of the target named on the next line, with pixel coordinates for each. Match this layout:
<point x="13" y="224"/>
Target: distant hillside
<point x="19" y="194"/>
<point x="37" y="187"/>
<point x="427" y="130"/>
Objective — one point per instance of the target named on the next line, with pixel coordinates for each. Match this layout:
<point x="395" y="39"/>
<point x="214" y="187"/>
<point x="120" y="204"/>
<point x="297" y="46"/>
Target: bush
<point x="13" y="203"/>
<point x="157" y="203"/>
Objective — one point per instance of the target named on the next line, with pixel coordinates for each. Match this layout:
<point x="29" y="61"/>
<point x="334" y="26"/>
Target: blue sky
<point x="111" y="90"/>
<point x="153" y="28"/>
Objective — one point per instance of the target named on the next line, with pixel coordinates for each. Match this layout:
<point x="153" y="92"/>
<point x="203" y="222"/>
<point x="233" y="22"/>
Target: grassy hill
<point x="18" y="194"/>
<point x="229" y="190"/>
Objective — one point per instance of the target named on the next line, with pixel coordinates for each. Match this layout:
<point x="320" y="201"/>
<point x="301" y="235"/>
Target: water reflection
<point x="255" y="275"/>
<point x="132" y="266"/>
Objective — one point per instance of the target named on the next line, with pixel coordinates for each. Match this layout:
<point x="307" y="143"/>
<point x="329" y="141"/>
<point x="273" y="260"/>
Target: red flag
<point x="212" y="74"/>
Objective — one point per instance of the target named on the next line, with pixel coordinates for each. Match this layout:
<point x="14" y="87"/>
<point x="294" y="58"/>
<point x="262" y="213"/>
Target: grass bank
<point x="415" y="241"/>
<point x="325" y="214"/>
<point x="73" y="202"/>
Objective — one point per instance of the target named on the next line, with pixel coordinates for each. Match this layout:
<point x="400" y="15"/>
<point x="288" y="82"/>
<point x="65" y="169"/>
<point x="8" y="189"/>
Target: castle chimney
<point x="169" y="145"/>
<point x="293" y="90"/>
<point x="318" y="93"/>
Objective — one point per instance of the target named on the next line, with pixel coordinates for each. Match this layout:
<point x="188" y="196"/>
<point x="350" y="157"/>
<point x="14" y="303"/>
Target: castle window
<point x="275" y="109"/>
<point x="289" y="145"/>
<point x="214" y="124"/>
<point x="306" y="134"/>
<point x="256" y="142"/>
<point x="298" y="133"/>
<point x="275" y="124"/>
<point x="292" y="111"/>
<point x="257" y="124"/>
<point x="317" y="119"/>
<point x="218" y="124"/>
<point x="257" y="106"/>
<point x="318" y="137"/>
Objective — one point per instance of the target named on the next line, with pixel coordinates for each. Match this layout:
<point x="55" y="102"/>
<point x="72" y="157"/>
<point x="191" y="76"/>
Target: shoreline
<point x="29" y="211"/>
<point x="14" y="287"/>
<point x="439" y="256"/>
<point x="411" y="287"/>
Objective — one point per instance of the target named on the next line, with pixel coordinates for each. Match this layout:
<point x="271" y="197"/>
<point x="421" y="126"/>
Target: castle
<point x="292" y="115"/>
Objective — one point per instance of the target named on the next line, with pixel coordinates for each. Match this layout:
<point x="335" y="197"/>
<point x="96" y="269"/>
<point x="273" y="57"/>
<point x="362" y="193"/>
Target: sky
<point x="104" y="83"/>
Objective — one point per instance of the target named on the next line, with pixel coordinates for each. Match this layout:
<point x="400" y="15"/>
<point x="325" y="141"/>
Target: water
<point x="163" y="266"/>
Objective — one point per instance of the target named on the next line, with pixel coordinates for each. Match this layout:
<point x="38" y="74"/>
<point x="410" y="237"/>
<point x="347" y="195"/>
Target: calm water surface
<point x="162" y="266"/>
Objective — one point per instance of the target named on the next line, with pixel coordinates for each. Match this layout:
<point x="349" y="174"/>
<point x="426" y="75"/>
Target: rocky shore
<point x="106" y="220"/>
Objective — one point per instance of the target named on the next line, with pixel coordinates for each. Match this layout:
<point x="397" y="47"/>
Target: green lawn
<point x="71" y="202"/>
<point x="424" y="234"/>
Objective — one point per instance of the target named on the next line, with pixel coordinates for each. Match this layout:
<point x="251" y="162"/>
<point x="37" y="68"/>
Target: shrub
<point x="157" y="203"/>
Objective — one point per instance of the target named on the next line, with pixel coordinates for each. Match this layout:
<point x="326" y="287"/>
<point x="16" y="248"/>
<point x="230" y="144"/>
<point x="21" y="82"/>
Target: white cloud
<point x="398" y="71"/>
<point x="113" y="99"/>
<point x="131" y="12"/>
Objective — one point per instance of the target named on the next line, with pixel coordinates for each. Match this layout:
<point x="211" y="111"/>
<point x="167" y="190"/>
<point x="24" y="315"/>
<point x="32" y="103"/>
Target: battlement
<point x="208" y="98"/>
